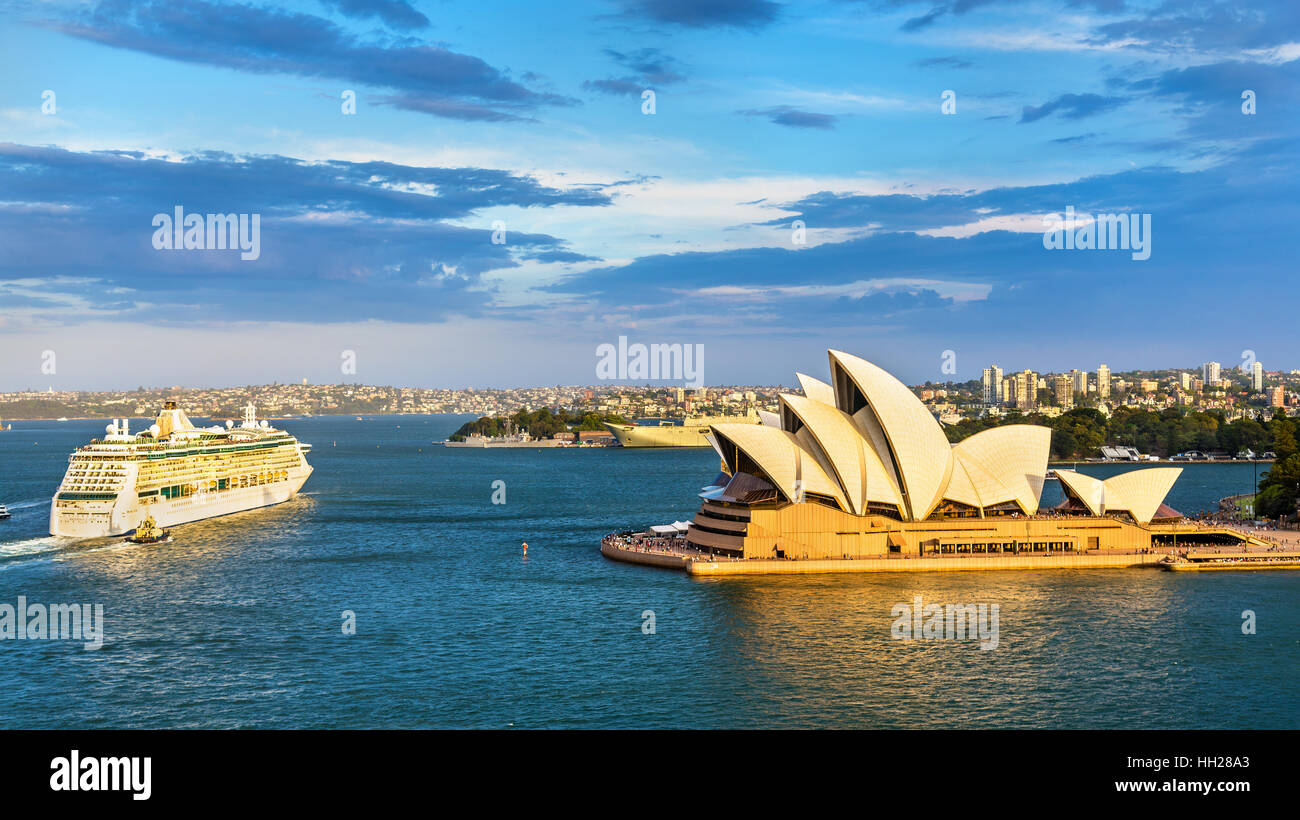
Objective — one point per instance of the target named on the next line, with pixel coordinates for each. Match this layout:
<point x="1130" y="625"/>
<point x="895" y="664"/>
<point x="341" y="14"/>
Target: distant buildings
<point x="281" y="400"/>
<point x="1026" y="386"/>
<point x="1063" y="388"/>
<point x="1079" y="381"/>
<point x="1236" y="393"/>
<point x="992" y="383"/>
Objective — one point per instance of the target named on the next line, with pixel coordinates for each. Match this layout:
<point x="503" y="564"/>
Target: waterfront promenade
<point x="1280" y="538"/>
<point x="672" y="553"/>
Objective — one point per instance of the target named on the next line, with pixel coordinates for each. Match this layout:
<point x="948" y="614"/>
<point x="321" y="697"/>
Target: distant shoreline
<point x="1051" y="464"/>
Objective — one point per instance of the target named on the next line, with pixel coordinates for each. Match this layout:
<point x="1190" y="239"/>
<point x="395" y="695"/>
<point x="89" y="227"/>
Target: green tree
<point x="1244" y="434"/>
<point x="1284" y="443"/>
<point x="1280" y="488"/>
<point x="1064" y="444"/>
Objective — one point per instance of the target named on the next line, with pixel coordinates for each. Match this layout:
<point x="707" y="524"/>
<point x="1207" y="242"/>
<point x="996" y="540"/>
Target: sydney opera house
<point x="859" y="468"/>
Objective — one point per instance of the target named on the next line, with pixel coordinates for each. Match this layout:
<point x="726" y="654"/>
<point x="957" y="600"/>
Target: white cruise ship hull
<point x="99" y="519"/>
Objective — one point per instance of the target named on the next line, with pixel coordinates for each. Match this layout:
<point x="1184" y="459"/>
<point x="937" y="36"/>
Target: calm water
<point x="236" y="623"/>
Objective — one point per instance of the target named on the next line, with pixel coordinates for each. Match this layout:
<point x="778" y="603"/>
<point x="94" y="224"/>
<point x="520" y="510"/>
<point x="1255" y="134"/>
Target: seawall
<point x="694" y="565"/>
<point x="954" y="564"/>
<point x="654" y="559"/>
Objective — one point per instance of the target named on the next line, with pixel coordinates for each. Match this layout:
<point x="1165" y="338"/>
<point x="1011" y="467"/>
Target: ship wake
<point x="33" y="548"/>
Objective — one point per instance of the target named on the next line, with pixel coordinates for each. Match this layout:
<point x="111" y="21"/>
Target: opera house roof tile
<point x="780" y="456"/>
<point x="1007" y="463"/>
<point x="914" y="441"/>
<point x="1137" y="492"/>
<point x="816" y="389"/>
<point x="861" y="474"/>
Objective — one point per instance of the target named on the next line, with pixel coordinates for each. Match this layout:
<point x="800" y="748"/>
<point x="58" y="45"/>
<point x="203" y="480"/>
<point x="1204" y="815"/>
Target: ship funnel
<point x="171" y="420"/>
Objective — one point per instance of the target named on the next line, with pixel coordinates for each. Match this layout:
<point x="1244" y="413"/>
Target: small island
<point x="536" y="428"/>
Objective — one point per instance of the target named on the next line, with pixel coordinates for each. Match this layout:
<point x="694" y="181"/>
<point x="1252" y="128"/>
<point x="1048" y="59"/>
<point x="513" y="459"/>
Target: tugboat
<point x="149" y="533"/>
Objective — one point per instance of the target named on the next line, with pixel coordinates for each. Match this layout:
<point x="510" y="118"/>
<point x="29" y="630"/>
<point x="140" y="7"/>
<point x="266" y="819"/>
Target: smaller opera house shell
<point x="858" y="467"/>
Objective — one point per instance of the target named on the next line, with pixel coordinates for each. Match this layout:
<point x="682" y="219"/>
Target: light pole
<point x="1254" y="488"/>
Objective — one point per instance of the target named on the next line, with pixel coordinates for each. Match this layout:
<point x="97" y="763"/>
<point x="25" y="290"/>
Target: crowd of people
<point x="1258" y="559"/>
<point x="645" y="542"/>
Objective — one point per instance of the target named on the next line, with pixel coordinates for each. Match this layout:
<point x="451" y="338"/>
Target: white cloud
<point x="958" y="291"/>
<point x="1015" y="223"/>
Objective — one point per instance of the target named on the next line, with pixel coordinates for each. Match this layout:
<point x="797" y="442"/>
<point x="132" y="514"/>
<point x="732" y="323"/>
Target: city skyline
<point x="995" y="386"/>
<point x="979" y="376"/>
<point x="457" y="202"/>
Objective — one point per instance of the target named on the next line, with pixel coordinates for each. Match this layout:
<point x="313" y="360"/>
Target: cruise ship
<point x="177" y="473"/>
<point x="692" y="431"/>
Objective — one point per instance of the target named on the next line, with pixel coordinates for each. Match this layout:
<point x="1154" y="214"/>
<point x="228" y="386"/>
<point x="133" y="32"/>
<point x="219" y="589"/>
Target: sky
<point x="482" y="194"/>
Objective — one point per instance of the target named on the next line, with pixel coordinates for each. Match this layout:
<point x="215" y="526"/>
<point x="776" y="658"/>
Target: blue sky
<point x="923" y="229"/>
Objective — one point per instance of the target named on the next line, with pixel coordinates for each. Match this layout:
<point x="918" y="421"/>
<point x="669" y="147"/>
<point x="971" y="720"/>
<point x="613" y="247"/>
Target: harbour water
<point x="237" y="621"/>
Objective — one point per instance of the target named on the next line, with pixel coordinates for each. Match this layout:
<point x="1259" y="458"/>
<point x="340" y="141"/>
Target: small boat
<point x="149" y="533"/>
<point x="4" y="512"/>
